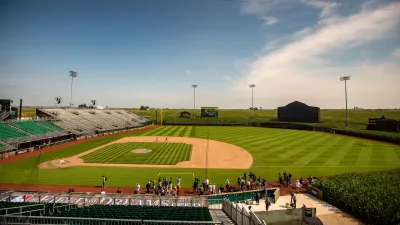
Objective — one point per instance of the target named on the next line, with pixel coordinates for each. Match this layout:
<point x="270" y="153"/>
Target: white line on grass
<point x="176" y="174"/>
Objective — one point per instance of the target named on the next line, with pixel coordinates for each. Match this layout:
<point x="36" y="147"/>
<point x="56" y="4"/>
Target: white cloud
<point x="188" y="72"/>
<point x="299" y="70"/>
<point x="269" y="20"/>
<point x="396" y="53"/>
<point x="327" y="8"/>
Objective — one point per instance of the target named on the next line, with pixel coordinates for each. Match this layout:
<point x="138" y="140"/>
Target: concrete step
<point x="219" y="215"/>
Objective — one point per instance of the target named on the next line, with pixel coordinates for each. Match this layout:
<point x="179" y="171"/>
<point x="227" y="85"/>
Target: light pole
<point x="252" y="86"/>
<point x="194" y="86"/>
<point x="73" y="75"/>
<point x="345" y="79"/>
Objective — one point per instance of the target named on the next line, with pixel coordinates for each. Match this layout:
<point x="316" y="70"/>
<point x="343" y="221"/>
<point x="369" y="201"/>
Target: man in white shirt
<point x="214" y="191"/>
<point x="138" y="187"/>
<point x="102" y="192"/>
<point x="178" y="181"/>
<point x="207" y="182"/>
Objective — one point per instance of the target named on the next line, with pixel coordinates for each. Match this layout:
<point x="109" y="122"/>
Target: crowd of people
<point x="247" y="182"/>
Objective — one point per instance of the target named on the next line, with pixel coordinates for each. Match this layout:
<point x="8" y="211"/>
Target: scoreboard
<point x="209" y="112"/>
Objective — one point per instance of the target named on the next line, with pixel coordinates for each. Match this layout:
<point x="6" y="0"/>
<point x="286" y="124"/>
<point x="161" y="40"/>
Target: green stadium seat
<point x="32" y="127"/>
<point x="9" y="132"/>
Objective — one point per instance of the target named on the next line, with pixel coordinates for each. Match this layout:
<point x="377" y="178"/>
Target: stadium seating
<point x="2" y="146"/>
<point x="139" y="212"/>
<point x="50" y="125"/>
<point x="32" y="127"/>
<point x="8" y="132"/>
<point x="90" y="120"/>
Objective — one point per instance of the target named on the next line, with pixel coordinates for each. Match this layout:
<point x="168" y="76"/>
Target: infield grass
<point x="161" y="153"/>
<point x="302" y="153"/>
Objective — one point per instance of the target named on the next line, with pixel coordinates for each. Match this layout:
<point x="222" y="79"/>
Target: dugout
<point x="383" y="124"/>
<point x="298" y="112"/>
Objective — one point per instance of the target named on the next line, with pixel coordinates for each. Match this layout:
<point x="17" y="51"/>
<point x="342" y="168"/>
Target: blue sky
<point x="148" y="52"/>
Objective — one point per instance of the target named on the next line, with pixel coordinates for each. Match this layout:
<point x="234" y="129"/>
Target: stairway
<point x="219" y="215"/>
<point x="4" y="115"/>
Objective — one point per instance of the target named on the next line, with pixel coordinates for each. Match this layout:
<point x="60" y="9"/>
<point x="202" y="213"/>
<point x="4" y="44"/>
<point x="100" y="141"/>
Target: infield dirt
<point x="221" y="155"/>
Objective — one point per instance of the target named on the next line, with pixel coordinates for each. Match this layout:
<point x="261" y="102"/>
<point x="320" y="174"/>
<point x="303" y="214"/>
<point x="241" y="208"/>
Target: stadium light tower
<point x="194" y="86"/>
<point x="252" y="86"/>
<point x="345" y="79"/>
<point x="73" y="75"/>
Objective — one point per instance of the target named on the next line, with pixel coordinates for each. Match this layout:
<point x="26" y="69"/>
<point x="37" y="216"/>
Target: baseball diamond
<point x="270" y="151"/>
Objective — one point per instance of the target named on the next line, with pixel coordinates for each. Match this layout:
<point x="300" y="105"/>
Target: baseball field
<point x="194" y="151"/>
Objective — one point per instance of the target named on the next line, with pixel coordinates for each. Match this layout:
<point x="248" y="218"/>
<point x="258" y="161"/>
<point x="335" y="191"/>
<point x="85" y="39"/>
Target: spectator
<point x="102" y="192"/>
<point x="298" y="186"/>
<point x="119" y="191"/>
<point x="293" y="200"/>
<point x="221" y="189"/>
<point x="71" y="190"/>
<point x="257" y="197"/>
<point x="267" y="204"/>
<point x="227" y="185"/>
<point x="148" y="188"/>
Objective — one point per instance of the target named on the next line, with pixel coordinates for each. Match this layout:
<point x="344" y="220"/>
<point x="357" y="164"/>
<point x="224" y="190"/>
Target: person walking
<point x="257" y="198"/>
<point x="104" y="180"/>
<point x="293" y="200"/>
<point x="267" y="203"/>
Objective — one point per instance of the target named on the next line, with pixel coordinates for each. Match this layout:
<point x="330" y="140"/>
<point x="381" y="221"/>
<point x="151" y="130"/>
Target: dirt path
<point x="222" y="155"/>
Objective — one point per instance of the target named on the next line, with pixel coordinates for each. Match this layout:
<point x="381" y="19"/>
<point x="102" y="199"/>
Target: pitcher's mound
<point x="141" y="150"/>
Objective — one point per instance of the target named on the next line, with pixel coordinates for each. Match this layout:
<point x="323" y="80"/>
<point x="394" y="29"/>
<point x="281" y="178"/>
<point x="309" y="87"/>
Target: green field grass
<point x="161" y="153"/>
<point x="302" y="153"/>
<point x="332" y="118"/>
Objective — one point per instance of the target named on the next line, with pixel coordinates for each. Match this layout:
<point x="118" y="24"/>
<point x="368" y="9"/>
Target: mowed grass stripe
<point x="96" y="155"/>
<point x="303" y="150"/>
<point x="172" y="131"/>
<point x="106" y="156"/>
<point x="336" y="158"/>
<point x="172" y="153"/>
<point x="163" y="131"/>
<point x="129" y="147"/>
<point x="352" y="155"/>
<point x="242" y="138"/>
<point x="327" y="153"/>
<point x="188" y="132"/>
<point x="156" y="157"/>
<point x="152" y="131"/>
<point x="188" y="153"/>
<point x="277" y="145"/>
<point x="193" y="132"/>
<point x="254" y="140"/>
<point x="177" y="132"/>
<point x="391" y="157"/>
<point x="183" y="131"/>
<point x="365" y="154"/>
<point x="314" y="156"/>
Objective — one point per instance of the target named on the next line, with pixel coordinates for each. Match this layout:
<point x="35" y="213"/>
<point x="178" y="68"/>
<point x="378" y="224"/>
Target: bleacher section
<point x="32" y="127"/>
<point x="139" y="212"/>
<point x="50" y="125"/>
<point x="80" y="121"/>
<point x="8" y="132"/>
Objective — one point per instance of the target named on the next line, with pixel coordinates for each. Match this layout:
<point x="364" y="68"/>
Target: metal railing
<point x="239" y="214"/>
<point x="9" y="219"/>
<point x="7" y="210"/>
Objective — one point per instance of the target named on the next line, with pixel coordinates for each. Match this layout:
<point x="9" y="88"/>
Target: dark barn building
<point x="298" y="112"/>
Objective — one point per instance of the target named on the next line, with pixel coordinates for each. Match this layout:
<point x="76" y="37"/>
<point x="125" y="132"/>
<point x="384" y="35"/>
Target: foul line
<point x="175" y="174"/>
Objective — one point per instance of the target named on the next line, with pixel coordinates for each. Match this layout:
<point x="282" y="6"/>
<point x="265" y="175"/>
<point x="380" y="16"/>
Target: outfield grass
<point x="333" y="118"/>
<point x="302" y="153"/>
<point x="161" y="153"/>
